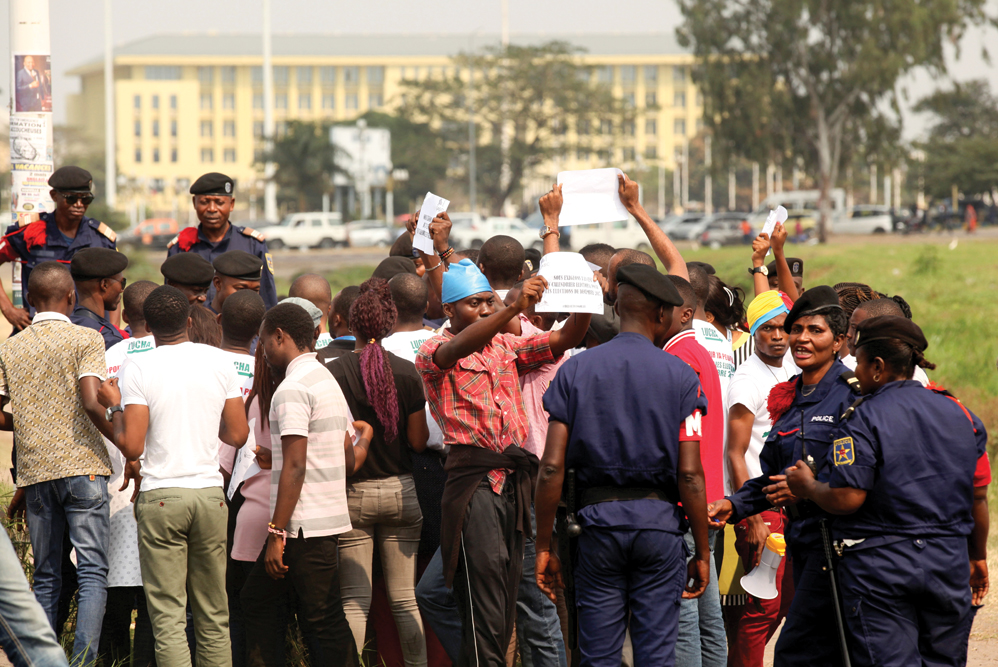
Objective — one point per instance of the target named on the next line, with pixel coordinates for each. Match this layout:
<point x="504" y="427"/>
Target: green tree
<point x="537" y="92"/>
<point x="814" y="78"/>
<point x="962" y="147"/>
<point x="304" y="160"/>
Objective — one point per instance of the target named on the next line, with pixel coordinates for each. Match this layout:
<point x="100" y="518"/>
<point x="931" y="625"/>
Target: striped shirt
<point x="309" y="402"/>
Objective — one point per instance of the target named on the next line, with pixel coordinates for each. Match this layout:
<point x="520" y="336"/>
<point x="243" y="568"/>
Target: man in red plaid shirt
<point x="471" y="373"/>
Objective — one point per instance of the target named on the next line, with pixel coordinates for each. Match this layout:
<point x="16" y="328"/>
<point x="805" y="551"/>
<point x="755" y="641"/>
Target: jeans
<point x="538" y="628"/>
<point x="182" y="553"/>
<point x="26" y="634"/>
<point x="385" y="510"/>
<point x="439" y="607"/>
<point x="702" y="642"/>
<point x="81" y="503"/>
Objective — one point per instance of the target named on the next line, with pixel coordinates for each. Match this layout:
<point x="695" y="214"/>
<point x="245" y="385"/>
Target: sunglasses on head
<point x="87" y="199"/>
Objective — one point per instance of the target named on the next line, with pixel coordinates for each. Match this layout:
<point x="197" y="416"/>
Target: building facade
<point x="189" y="104"/>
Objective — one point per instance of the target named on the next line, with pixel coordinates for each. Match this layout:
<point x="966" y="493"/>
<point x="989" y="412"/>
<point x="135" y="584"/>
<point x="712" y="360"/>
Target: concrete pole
<point x="677" y="187"/>
<point x="661" y="191"/>
<point x="873" y="184"/>
<point x="110" y="164"/>
<point x="686" y="173"/>
<point x="708" y="184"/>
<point x="472" y="145"/>
<point x="269" y="188"/>
<point x="732" y="189"/>
<point x="755" y="187"/>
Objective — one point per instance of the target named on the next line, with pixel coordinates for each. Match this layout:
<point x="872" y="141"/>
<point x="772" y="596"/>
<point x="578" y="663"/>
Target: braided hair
<point x="372" y="317"/>
<point x="853" y="294"/>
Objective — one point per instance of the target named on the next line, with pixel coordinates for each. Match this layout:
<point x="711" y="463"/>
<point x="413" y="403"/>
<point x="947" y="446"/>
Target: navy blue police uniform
<point x="625" y="403"/>
<point x="905" y="566"/>
<point x="92" y="264"/>
<point x="85" y="317"/>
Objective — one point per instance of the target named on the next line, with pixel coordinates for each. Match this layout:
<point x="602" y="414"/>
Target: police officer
<point x="97" y="273"/>
<point x="189" y="272"/>
<point x="625" y="416"/>
<point x="901" y="471"/>
<point x="213" y="202"/>
<point x="805" y="411"/>
<point x="235" y="270"/>
<point x="56" y="236"/>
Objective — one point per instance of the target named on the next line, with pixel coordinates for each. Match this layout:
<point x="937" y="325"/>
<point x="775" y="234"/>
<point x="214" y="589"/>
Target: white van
<point x="799" y="200"/>
<point x="619" y="234"/>
<point x="307" y="230"/>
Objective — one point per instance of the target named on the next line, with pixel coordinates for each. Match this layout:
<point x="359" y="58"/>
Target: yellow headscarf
<point x="765" y="307"/>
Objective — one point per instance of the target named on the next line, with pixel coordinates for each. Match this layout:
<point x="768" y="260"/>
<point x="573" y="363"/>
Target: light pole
<point x="270" y="189"/>
<point x="110" y="167"/>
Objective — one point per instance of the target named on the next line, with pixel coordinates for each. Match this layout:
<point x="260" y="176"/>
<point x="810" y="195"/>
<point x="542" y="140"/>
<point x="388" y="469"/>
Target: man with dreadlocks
<point x="385" y="391"/>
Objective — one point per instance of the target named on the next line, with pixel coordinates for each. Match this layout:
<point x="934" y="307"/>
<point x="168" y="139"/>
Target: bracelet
<point x="446" y="253"/>
<point x="434" y="268"/>
<point x="273" y="530"/>
<point x="548" y="230"/>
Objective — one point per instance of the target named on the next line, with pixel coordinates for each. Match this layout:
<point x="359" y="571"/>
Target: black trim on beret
<point x="213" y="183"/>
<point x="648" y="279"/>
<point x="239" y="264"/>
<point x="188" y="268"/>
<point x="96" y="263"/>
<point x="890" y="327"/>
<point x="810" y="302"/>
<point x="71" y="179"/>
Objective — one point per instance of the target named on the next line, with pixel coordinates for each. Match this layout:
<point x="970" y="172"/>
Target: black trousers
<point x="488" y="574"/>
<point x="115" y="640"/>
<point x="314" y="579"/>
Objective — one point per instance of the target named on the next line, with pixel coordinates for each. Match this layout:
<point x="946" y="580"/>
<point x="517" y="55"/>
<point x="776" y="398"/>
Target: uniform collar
<point x="228" y="234"/>
<point x="896" y="384"/>
<point x="98" y="315"/>
<point x="55" y="237"/>
<point x="824" y="386"/>
<point x="49" y="316"/>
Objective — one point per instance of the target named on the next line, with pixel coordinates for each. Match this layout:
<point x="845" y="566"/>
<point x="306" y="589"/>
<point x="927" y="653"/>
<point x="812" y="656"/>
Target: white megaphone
<point x="761" y="581"/>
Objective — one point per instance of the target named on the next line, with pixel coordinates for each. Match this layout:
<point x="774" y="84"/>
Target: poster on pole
<point x="33" y="83"/>
<point x="29" y="139"/>
<point x="431" y="208"/>
<point x="30" y="188"/>
<point x="572" y="288"/>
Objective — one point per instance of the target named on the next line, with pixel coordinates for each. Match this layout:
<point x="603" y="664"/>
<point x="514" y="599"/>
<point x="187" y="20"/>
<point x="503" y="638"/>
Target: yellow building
<point x="188" y="104"/>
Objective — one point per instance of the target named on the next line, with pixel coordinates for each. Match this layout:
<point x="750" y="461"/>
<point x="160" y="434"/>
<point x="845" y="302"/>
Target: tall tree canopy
<point x="304" y="159"/>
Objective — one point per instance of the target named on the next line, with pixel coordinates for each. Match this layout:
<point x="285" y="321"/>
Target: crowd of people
<point x="427" y="468"/>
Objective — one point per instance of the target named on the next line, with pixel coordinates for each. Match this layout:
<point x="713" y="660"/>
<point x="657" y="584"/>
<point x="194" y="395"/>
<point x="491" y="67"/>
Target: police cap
<point x="708" y="268"/>
<point x="796" y="267"/>
<point x="392" y="266"/>
<point x="188" y="268"/>
<point x="402" y="247"/>
<point x="213" y="183"/>
<point x="239" y="264"/>
<point x="96" y="263"/>
<point x="71" y="179"/>
<point x="890" y="327"/>
<point x="648" y="279"/>
<point x="810" y="302"/>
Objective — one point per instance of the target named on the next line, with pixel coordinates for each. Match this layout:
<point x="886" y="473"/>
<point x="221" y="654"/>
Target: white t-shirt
<point x="750" y="387"/>
<point x="244" y="365"/>
<point x="406" y="344"/>
<point x="719" y="346"/>
<point x="323" y="340"/>
<point x="185" y="387"/>
<point x="920" y="375"/>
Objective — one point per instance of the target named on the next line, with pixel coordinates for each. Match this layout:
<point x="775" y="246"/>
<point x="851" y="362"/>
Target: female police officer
<point x="901" y="481"/>
<point x="805" y="412"/>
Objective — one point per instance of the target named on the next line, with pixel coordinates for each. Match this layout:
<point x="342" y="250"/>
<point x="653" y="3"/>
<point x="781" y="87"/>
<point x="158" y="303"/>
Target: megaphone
<point x="761" y="581"/>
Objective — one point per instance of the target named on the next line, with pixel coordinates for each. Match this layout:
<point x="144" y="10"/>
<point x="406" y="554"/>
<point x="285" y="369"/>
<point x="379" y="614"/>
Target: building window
<point x="173" y="128"/>
<point x="138" y="155"/>
<point x="374" y="100"/>
<point x="155" y="101"/>
<point x="628" y="154"/>
<point x="629" y="100"/>
<point x="155" y="155"/>
<point x="258" y="101"/>
<point x="173" y="102"/>
<point x="651" y="152"/>
<point x="173" y="155"/>
<point x="351" y="76"/>
<point x="351" y="102"/>
<point x="582" y="154"/>
<point x="228" y="74"/>
<point x="229" y="101"/>
<point x="651" y="126"/>
<point x="304" y="101"/>
<point x="327" y="75"/>
<point x="206" y="75"/>
<point x="258" y="129"/>
<point x="256" y="75"/>
<point x="229" y="128"/>
<point x="280" y="76"/>
<point x="628" y="73"/>
<point x="163" y="72"/>
<point x="304" y="76"/>
<point x="206" y="102"/>
<point x="679" y="74"/>
<point x="207" y="129"/>
<point x="137" y="101"/>
<point x="230" y="155"/>
<point x="679" y="126"/>
<point x="603" y="156"/>
<point x="651" y="75"/>
<point x="155" y="128"/>
<point x="629" y="128"/>
<point x="582" y="127"/>
<point x="375" y="75"/>
<point x="138" y="128"/>
<point x="606" y="126"/>
<point x="651" y="99"/>
<point x="280" y="101"/>
<point x="679" y="99"/>
<point x="604" y="74"/>
<point x="329" y="101"/>
<point x="207" y="155"/>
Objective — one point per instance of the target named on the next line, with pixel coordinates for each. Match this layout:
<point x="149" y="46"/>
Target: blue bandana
<point x="462" y="280"/>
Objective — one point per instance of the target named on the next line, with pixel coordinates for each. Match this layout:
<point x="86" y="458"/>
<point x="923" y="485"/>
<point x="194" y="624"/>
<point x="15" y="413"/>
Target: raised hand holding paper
<point x="779" y="214"/>
<point x="590" y="196"/>
<point x="571" y="286"/>
<point x="431" y="208"/>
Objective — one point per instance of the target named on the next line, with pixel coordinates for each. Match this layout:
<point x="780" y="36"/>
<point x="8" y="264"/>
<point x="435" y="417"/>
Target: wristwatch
<point x="111" y="410"/>
<point x="759" y="269"/>
<point x="545" y="230"/>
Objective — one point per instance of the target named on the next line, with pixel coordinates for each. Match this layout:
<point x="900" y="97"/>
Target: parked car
<point x="800" y="200"/>
<point x="683" y="227"/>
<point x="469" y="230"/>
<point x="307" y="230"/>
<point x="153" y="233"/>
<point x="865" y="219"/>
<point x="722" y="229"/>
<point x="368" y="233"/>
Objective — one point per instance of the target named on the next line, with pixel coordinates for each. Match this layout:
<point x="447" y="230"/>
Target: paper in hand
<point x="431" y="208"/>
<point x="779" y="214"/>
<point x="571" y="288"/>
<point x="590" y="196"/>
<point x="245" y="465"/>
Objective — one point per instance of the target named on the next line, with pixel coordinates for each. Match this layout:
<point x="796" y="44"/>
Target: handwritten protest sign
<point x="571" y="287"/>
<point x="431" y="208"/>
<point x="590" y="196"/>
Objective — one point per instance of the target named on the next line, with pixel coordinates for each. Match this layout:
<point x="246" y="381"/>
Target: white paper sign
<point x="571" y="288"/>
<point x="590" y="196"/>
<point x="777" y="215"/>
<point x="245" y="465"/>
<point x="431" y="208"/>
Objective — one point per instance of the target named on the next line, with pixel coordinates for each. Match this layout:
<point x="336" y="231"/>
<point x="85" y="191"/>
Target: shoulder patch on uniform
<point x="270" y="262"/>
<point x="249" y="231"/>
<point x="845" y="454"/>
<point x="173" y="242"/>
<point x="24" y="219"/>
<point x="106" y="231"/>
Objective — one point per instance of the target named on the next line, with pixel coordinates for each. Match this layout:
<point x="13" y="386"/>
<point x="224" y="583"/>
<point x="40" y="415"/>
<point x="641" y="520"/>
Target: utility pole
<point x="505" y="176"/>
<point x="732" y="191"/>
<point x="873" y="184"/>
<point x="661" y="191"/>
<point x="269" y="188"/>
<point x="755" y="187"/>
<point x="472" y="166"/>
<point x="686" y="173"/>
<point x="110" y="163"/>
<point x="708" y="184"/>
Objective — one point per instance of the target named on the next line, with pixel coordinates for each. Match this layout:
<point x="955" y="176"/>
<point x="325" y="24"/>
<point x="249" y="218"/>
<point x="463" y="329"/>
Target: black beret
<point x="796" y="267"/>
<point x="188" y="268"/>
<point x="604" y="327"/>
<point x="709" y="269"/>
<point x="648" y="279"/>
<point x="239" y="264"/>
<point x="71" y="179"/>
<point x="94" y="263"/>
<point x="890" y="327"/>
<point x="402" y="247"/>
<point x="811" y="301"/>
<point x="392" y="266"/>
<point x="213" y="183"/>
